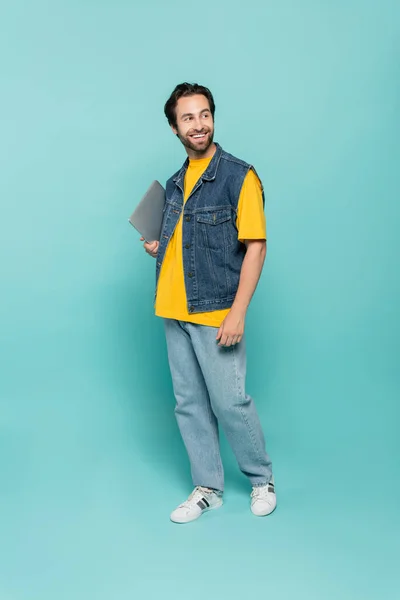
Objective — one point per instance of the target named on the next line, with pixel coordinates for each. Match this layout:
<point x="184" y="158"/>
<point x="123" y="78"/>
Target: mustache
<point x="198" y="131"/>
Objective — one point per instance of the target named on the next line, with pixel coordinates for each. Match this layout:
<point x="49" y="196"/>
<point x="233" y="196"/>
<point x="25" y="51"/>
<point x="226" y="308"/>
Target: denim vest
<point x="212" y="253"/>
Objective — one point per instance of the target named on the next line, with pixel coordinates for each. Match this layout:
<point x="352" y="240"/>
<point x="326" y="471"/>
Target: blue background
<point x="91" y="458"/>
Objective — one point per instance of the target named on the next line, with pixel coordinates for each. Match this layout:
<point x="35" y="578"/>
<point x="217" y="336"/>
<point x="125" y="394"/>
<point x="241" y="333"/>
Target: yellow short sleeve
<point x="251" y="221"/>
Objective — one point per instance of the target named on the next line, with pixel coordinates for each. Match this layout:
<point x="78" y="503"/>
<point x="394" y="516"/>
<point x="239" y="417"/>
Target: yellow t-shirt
<point x="251" y="224"/>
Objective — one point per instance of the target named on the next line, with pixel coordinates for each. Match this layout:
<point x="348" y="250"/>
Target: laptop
<point x="147" y="216"/>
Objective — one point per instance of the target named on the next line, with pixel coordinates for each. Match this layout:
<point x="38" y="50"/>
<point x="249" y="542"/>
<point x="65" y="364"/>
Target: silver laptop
<point x="147" y="216"/>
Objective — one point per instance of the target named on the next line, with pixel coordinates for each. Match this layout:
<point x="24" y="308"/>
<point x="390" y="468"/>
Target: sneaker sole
<point x="201" y="514"/>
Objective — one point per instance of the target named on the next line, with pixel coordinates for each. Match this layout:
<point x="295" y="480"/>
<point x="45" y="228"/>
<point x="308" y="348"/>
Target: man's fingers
<point x="220" y="330"/>
<point x="229" y="340"/>
<point x="223" y="339"/>
<point x="151" y="248"/>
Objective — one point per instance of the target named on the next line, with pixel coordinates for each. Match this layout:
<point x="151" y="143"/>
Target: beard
<point x="198" y="147"/>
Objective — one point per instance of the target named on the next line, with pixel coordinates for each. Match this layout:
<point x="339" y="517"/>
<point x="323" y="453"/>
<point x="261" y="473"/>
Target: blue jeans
<point x="209" y="387"/>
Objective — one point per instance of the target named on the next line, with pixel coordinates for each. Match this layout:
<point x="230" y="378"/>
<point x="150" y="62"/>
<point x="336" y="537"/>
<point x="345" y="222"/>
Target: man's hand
<point x="150" y="247"/>
<point x="232" y="328"/>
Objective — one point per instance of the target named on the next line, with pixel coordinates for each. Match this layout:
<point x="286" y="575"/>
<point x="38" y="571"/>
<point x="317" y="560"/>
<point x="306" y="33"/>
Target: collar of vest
<point x="209" y="174"/>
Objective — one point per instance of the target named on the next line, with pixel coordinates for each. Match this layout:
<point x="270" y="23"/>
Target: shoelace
<point x="260" y="493"/>
<point x="197" y="494"/>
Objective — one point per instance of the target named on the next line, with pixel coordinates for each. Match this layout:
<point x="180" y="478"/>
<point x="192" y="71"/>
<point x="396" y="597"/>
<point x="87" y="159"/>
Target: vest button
<point x="187" y="246"/>
<point x="187" y="218"/>
<point x="190" y="274"/>
<point x="191" y="309"/>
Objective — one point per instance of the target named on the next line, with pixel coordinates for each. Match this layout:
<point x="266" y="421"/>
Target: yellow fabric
<point x="171" y="294"/>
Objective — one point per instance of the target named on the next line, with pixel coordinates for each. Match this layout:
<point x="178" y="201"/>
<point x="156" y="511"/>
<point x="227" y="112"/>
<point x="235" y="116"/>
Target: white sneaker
<point x="200" y="501"/>
<point x="263" y="499"/>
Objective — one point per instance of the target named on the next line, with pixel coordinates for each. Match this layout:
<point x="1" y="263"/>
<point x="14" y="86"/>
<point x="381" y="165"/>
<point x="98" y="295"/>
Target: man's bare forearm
<point x="250" y="274"/>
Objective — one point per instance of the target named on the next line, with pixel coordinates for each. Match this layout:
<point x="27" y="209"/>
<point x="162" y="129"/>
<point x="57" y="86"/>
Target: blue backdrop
<point x="91" y="458"/>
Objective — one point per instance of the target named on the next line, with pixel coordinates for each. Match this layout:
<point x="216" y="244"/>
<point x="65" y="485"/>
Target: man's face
<point x="195" y="125"/>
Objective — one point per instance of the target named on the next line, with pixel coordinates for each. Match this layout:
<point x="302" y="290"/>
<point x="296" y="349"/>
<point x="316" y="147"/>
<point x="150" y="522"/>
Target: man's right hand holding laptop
<point x="150" y="247"/>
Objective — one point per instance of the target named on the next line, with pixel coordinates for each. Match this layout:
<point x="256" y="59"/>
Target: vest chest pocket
<point x="214" y="229"/>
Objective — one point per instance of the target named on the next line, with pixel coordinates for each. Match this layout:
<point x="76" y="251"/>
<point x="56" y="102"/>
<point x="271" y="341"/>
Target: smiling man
<point x="208" y="263"/>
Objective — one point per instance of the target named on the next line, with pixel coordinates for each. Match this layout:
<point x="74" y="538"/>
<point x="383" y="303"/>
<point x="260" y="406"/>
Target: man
<point x="209" y="260"/>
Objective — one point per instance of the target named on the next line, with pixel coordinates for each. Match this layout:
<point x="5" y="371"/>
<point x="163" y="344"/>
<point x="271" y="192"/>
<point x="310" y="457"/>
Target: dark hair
<point x="186" y="89"/>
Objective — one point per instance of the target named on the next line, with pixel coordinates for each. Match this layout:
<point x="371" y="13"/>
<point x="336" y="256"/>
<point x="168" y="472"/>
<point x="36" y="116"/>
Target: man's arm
<point x="232" y="328"/>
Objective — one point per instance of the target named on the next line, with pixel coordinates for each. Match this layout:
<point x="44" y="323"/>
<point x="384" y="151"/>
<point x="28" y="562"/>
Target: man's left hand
<point x="232" y="329"/>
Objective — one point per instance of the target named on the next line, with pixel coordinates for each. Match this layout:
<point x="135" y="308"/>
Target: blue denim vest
<point x="212" y="253"/>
